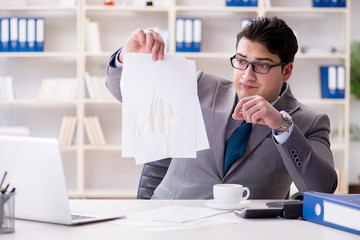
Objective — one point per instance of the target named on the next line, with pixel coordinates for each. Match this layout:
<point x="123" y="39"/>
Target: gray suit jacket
<point x="266" y="167"/>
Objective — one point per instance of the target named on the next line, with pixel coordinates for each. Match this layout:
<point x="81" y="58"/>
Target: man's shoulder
<point x="208" y="78"/>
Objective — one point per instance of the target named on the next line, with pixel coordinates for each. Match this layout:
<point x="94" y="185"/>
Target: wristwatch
<point x="287" y="121"/>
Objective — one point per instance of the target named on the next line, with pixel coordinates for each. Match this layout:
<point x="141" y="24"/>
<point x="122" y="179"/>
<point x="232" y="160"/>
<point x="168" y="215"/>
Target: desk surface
<point x="248" y="229"/>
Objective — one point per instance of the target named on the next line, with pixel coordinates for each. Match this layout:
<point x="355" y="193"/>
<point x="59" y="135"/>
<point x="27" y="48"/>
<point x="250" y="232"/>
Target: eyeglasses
<point x="258" y="67"/>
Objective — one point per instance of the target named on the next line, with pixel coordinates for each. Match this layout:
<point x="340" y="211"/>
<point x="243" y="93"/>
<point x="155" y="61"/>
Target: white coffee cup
<point x="230" y="193"/>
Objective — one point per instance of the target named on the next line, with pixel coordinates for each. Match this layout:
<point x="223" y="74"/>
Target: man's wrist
<point x="285" y="126"/>
<point x="117" y="62"/>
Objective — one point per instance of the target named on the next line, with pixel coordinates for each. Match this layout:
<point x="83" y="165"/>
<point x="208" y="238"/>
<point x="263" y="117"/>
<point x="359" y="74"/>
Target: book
<point x="30" y="35"/>
<point x="6" y="88"/>
<point x="14" y="35"/>
<point x="67" y="130"/>
<point x="94" y="131"/>
<point x="95" y="86"/>
<point x="58" y="89"/>
<point x="179" y="38"/>
<point x="329" y="3"/>
<point x="22" y="35"/>
<point x="188" y="35"/>
<point x="241" y="3"/>
<point x="4" y="34"/>
<point x="92" y="37"/>
<point x="39" y="34"/>
<point x="197" y="33"/>
<point x="337" y="211"/>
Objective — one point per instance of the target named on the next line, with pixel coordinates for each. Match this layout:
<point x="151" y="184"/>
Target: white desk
<point x="248" y="229"/>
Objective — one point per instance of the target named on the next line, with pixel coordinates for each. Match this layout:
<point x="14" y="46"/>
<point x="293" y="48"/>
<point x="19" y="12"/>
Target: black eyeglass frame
<point x="252" y="65"/>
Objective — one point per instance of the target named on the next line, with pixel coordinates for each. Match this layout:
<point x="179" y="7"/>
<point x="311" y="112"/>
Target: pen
<point x="3" y="179"/>
<point x="6" y="188"/>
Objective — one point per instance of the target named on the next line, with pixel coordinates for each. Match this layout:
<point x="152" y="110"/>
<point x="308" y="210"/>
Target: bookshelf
<point x="99" y="171"/>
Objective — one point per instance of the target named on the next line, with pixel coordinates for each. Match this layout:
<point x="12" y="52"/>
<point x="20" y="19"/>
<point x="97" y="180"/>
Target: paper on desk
<point x="176" y="217"/>
<point x="175" y="214"/>
<point x="164" y="226"/>
<point x="161" y="115"/>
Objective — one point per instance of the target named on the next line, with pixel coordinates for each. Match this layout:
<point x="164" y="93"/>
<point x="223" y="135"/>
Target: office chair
<point x="151" y="176"/>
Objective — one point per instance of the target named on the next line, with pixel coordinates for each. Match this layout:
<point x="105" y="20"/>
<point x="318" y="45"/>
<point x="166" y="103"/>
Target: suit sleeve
<point x="308" y="158"/>
<point x="113" y="77"/>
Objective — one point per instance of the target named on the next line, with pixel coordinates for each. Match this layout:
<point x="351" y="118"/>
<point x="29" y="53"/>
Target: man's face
<point x="249" y="83"/>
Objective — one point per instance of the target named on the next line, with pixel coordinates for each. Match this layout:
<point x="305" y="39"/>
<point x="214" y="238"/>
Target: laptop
<point x="34" y="167"/>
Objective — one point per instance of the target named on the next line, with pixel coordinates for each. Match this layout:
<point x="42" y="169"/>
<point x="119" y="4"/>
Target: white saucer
<point x="213" y="204"/>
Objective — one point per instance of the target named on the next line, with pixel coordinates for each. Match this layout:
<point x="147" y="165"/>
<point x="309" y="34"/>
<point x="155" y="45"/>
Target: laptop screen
<point x="34" y="167"/>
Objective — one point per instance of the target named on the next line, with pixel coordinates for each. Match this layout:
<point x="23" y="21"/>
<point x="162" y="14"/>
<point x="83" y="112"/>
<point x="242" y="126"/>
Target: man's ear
<point x="287" y="71"/>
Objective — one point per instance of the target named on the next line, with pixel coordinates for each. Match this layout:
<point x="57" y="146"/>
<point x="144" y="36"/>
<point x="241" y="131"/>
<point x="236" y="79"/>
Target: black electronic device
<point x="281" y="203"/>
<point x="259" y="212"/>
<point x="291" y="208"/>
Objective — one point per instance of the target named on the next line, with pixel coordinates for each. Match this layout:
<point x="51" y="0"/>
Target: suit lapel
<point x="222" y="108"/>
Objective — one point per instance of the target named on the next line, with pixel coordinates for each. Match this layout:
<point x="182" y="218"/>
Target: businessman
<point x="260" y="136"/>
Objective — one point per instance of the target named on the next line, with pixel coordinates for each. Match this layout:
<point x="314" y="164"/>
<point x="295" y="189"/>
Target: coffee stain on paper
<point x="156" y="117"/>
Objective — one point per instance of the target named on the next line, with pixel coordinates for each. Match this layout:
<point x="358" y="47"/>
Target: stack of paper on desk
<point x="175" y="218"/>
<point x="161" y="115"/>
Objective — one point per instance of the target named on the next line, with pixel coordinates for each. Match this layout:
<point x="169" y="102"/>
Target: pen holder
<point x="7" y="213"/>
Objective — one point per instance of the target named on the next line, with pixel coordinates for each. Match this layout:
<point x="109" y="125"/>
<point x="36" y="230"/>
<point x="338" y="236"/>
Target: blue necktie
<point x="236" y="144"/>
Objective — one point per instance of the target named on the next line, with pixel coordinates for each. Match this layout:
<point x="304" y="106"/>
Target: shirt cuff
<point x="281" y="138"/>
<point x="117" y="63"/>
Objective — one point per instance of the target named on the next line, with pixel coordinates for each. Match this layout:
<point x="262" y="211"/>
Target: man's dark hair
<point x="274" y="34"/>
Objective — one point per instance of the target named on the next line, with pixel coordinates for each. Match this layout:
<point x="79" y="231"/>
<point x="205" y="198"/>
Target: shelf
<point x="216" y="9"/>
<point x="89" y="8"/>
<point x="321" y="56"/>
<point x="102" y="101"/>
<point x="37" y="54"/>
<point x="98" y="54"/>
<point x="37" y="8"/>
<point x="38" y="103"/>
<point x="305" y="10"/>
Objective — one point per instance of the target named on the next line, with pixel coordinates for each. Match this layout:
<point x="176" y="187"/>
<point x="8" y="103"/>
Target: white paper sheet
<point x="161" y="114"/>
<point x="176" y="217"/>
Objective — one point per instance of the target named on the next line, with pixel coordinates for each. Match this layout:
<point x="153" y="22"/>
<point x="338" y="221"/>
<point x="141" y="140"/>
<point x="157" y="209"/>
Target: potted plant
<point x="354" y="174"/>
<point x="355" y="69"/>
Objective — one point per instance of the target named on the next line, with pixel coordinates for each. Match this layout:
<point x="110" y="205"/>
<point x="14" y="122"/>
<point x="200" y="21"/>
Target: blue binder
<point x="40" y="34"/>
<point x="22" y="45"/>
<point x="14" y="34"/>
<point x="30" y="38"/>
<point x="342" y="3"/>
<point x="337" y="211"/>
<point x="197" y="34"/>
<point x="329" y="3"/>
<point x="5" y="34"/>
<point x="188" y="35"/>
<point x="179" y="36"/>
<point x="332" y="78"/>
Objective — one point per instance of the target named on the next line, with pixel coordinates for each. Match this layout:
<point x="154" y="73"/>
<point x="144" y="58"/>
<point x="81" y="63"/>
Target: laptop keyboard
<point x="79" y="217"/>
